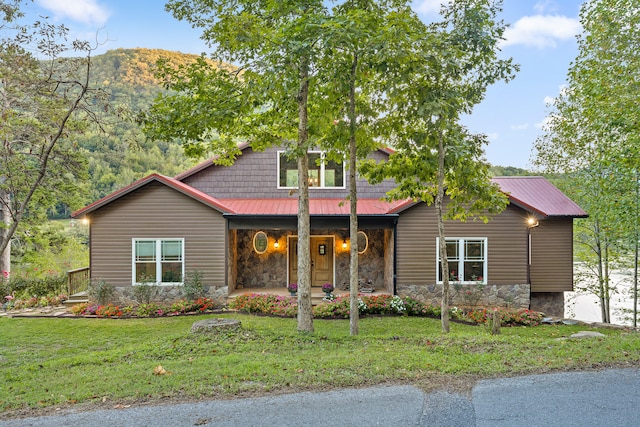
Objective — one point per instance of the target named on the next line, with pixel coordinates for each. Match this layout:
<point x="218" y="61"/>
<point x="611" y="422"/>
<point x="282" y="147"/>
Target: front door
<point x="321" y="260"/>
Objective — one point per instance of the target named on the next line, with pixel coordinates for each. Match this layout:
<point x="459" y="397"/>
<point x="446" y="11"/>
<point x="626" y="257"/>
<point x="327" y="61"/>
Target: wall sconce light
<point x="276" y="245"/>
<point x="85" y="221"/>
<point x="532" y="222"/>
<point x="344" y="244"/>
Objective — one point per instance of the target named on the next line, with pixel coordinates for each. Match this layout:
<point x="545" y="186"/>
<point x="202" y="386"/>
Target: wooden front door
<point x="321" y="260"/>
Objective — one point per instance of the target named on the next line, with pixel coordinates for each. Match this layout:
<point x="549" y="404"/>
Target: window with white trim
<point x="158" y="261"/>
<point x="467" y="257"/>
<point x="323" y="173"/>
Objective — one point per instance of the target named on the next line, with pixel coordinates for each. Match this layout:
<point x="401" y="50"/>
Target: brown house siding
<point x="552" y="256"/>
<point x="255" y="175"/>
<point x="156" y="211"/>
<point x="506" y="245"/>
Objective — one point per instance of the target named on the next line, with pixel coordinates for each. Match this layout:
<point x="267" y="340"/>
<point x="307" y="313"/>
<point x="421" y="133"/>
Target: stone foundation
<point x="549" y="303"/>
<point x="168" y="294"/>
<point x="508" y="296"/>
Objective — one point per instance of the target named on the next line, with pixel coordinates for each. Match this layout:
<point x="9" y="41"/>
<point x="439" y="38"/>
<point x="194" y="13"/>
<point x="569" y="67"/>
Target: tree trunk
<point x="442" y="243"/>
<point x="305" y="313"/>
<point x="354" y="312"/>
<point x="5" y="220"/>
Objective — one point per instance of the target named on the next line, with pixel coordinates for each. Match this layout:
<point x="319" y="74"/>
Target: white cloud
<point x="541" y="31"/>
<point x="84" y="11"/>
<point x="522" y="126"/>
<point x="544" y="124"/>
<point x="428" y="6"/>
<point x="545" y="6"/>
<point x="493" y="136"/>
<point x="549" y="100"/>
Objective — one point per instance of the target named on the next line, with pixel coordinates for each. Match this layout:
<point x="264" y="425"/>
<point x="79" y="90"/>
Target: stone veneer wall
<point x="169" y="294"/>
<point x="269" y="270"/>
<point x="370" y="263"/>
<point x="512" y="296"/>
<point x="549" y="303"/>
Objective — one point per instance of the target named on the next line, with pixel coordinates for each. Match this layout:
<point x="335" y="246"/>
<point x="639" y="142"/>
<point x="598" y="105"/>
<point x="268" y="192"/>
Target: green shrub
<point x="149" y="310"/>
<point x="145" y="293"/>
<point x="193" y="286"/>
<point x="102" y="292"/>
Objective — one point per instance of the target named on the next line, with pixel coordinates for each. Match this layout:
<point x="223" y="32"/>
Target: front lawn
<point x="50" y="363"/>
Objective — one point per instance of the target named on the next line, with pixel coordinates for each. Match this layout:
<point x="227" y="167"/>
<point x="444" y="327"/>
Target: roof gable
<point x="169" y="182"/>
<point x="536" y="194"/>
<point x="531" y="193"/>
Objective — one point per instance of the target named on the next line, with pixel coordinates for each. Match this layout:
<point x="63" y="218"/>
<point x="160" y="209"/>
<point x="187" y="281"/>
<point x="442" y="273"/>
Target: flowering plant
<point x="327" y="288"/>
<point x="293" y="287"/>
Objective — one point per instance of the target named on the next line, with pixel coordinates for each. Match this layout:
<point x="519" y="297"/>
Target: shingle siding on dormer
<point x="255" y="175"/>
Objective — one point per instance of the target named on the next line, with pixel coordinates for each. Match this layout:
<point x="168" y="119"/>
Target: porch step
<point x="79" y="298"/>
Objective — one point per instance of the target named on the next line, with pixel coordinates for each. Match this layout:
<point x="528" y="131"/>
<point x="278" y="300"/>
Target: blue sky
<point x="541" y="38"/>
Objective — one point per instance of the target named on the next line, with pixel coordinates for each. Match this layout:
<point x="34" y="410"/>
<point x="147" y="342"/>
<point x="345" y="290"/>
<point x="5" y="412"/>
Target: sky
<point x="541" y="37"/>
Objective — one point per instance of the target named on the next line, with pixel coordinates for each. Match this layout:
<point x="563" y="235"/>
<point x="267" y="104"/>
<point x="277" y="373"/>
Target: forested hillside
<point x="119" y="153"/>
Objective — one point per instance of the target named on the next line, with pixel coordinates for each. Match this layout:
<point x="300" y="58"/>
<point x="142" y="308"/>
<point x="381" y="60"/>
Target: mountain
<point x="118" y="152"/>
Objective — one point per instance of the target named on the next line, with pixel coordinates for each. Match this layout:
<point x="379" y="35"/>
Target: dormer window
<point x="323" y="173"/>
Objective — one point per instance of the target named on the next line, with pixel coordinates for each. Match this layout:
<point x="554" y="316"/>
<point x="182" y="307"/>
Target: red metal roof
<point x="532" y="193"/>
<point x="536" y="194"/>
<point x="289" y="206"/>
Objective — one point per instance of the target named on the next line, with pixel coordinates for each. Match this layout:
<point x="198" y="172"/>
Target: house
<point x="237" y="226"/>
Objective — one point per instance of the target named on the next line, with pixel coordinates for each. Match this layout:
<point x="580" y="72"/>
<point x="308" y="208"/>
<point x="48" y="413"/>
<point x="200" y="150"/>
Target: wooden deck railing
<point x="78" y="280"/>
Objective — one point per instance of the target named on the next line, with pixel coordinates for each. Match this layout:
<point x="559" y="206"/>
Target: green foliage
<point x="145" y="293"/>
<point x="193" y="287"/>
<point x="38" y="284"/>
<point x="101" y="291"/>
<point x="592" y="137"/>
<point x="50" y="248"/>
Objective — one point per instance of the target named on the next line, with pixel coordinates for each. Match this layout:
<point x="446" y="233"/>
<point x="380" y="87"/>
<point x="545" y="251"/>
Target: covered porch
<point x="263" y="254"/>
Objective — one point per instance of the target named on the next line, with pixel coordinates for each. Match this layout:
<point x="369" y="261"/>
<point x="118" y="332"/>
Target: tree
<point x="356" y="45"/>
<point x="265" y="101"/>
<point x="592" y="137"/>
<point x="42" y="96"/>
<point x="445" y="73"/>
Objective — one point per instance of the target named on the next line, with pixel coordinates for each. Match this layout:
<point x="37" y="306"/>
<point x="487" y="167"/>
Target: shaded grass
<point x="47" y="362"/>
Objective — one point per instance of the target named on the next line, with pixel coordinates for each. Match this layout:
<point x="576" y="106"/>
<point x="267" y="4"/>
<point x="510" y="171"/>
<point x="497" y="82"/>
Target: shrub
<point x="145" y="293"/>
<point x="338" y="308"/>
<point x="51" y="283"/>
<point x="193" y="287"/>
<point x="265" y="304"/>
<point x="148" y="310"/>
<point x="510" y="317"/>
<point x="101" y="291"/>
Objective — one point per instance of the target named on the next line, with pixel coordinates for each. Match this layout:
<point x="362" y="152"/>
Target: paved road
<point x="605" y="398"/>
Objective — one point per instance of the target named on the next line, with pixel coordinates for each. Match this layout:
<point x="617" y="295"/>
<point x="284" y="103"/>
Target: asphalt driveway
<point x="601" y="398"/>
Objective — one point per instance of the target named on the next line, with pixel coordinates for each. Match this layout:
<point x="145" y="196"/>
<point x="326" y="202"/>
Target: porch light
<point x="532" y="222"/>
<point x="276" y="245"/>
<point x="85" y="221"/>
<point x="344" y="244"/>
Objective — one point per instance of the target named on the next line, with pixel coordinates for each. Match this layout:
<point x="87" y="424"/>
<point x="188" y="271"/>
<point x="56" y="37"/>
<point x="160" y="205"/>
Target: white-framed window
<point x="158" y="261"/>
<point x="323" y="173"/>
<point x="467" y="257"/>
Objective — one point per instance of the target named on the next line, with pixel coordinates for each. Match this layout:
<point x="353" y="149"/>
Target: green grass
<point x="47" y="362"/>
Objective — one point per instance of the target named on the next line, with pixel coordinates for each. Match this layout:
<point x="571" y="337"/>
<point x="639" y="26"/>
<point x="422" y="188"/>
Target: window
<point x="159" y="261"/>
<point x="467" y="260"/>
<point x="323" y="173"/>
